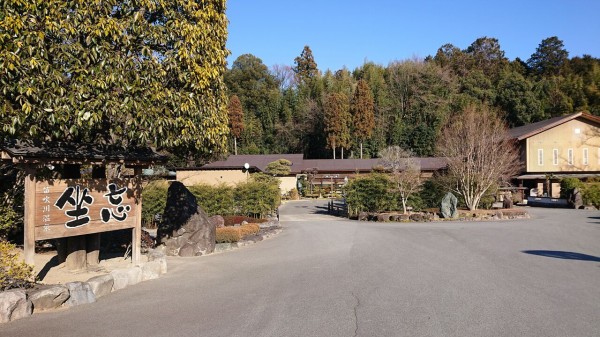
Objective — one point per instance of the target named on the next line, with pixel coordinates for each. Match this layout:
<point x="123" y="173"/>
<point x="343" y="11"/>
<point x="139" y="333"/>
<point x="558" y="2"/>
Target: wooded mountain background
<point x="299" y="109"/>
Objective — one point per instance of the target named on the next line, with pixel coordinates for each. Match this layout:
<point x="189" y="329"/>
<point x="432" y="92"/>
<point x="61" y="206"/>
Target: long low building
<point x="236" y="169"/>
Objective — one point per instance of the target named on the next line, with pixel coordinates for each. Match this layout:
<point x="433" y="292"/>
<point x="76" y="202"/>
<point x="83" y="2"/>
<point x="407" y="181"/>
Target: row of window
<point x="555" y="157"/>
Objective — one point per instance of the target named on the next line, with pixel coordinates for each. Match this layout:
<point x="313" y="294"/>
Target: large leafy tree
<point x="124" y="73"/>
<point x="362" y="110"/>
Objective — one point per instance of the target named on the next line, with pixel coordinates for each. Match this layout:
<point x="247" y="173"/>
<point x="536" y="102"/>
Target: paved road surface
<point x="327" y="276"/>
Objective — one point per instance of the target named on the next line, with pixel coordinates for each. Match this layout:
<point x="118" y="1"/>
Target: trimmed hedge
<point x="214" y="200"/>
<point x="235" y="234"/>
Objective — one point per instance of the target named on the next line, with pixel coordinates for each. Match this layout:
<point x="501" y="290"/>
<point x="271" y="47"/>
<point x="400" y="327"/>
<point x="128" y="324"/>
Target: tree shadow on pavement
<point x="557" y="254"/>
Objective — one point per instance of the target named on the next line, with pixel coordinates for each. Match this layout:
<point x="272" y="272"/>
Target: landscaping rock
<point x="126" y="277"/>
<point x="416" y="217"/>
<point x="80" y="293"/>
<point x="185" y="224"/>
<point x="159" y="256"/>
<point x="14" y="305"/>
<point x="217" y="220"/>
<point x="403" y="217"/>
<point x="48" y="297"/>
<point x="448" y="207"/>
<point x="363" y="216"/>
<point x="150" y="270"/>
<point x="101" y="285"/>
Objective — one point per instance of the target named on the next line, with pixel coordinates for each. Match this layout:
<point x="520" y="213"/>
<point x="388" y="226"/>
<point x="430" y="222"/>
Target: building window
<point x="554" y="156"/>
<point x="585" y="156"/>
<point x="570" y="156"/>
<point x="540" y="157"/>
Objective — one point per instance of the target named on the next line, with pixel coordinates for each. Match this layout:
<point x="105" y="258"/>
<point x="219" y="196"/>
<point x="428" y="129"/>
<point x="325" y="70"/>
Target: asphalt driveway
<point x="326" y="276"/>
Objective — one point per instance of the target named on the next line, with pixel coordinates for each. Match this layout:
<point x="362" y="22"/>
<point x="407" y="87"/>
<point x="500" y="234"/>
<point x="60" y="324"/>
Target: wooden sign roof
<point x="20" y="152"/>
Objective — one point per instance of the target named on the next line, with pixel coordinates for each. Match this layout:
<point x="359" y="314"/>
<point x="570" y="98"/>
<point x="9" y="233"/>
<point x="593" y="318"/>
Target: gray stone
<point x="221" y="247"/>
<point x="101" y="285"/>
<point x="80" y="293"/>
<point x="48" y="297"/>
<point x="448" y="207"/>
<point x="150" y="270"/>
<point x="363" y="216"/>
<point x="185" y="224"/>
<point x="417" y="217"/>
<point x="159" y="256"/>
<point x="244" y="222"/>
<point x="217" y="220"/>
<point x="14" y="305"/>
<point x="126" y="277"/>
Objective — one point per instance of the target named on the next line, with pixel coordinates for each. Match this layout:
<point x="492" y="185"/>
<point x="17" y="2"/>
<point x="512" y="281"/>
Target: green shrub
<point x="370" y="193"/>
<point x="591" y="194"/>
<point x="567" y="185"/>
<point x="432" y="193"/>
<point x="214" y="200"/>
<point x="259" y="196"/>
<point x="8" y="220"/>
<point x="13" y="272"/>
<point x="154" y="200"/>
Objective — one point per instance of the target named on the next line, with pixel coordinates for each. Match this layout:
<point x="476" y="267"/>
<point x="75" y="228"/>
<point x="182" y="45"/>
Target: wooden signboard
<point x="76" y="207"/>
<point x="72" y="207"/>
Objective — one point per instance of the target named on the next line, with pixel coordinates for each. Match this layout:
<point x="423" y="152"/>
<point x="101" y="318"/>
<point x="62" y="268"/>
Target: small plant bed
<point x="232" y="220"/>
<point x="433" y="215"/>
<point x="234" y="237"/>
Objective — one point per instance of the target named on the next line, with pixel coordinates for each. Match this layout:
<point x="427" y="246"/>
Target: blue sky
<point x="348" y="33"/>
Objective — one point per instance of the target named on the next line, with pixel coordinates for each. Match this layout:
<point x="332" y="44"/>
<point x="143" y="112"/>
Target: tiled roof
<point x="258" y="161"/>
<point x="300" y="165"/>
<point x="526" y="131"/>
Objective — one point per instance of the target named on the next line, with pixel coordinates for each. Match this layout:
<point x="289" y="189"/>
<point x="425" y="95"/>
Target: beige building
<point x="565" y="146"/>
<point x="324" y="172"/>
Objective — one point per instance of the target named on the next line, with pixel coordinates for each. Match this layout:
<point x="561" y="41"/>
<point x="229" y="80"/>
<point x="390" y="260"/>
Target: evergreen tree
<point x="549" y="58"/>
<point x="236" y="119"/>
<point x="362" y="111"/>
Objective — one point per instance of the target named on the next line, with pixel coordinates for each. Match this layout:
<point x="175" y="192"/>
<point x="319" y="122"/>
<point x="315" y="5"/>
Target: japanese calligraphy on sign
<point x="77" y="207"/>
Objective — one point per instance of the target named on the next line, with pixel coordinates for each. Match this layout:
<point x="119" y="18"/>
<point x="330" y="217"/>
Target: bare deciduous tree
<point x="405" y="169"/>
<point x="479" y="151"/>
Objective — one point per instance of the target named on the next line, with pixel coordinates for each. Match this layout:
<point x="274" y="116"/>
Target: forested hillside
<point x="300" y="109"/>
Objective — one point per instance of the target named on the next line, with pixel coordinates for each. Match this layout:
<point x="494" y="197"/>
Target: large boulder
<point x="185" y="228"/>
<point x="217" y="220"/>
<point x="101" y="285"/>
<point x="14" y="305"/>
<point x="448" y="207"/>
<point x="80" y="293"/>
<point x="48" y="297"/>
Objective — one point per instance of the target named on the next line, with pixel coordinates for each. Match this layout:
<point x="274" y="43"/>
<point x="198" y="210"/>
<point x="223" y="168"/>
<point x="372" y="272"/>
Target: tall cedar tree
<point x="362" y="110"/>
<point x="337" y="120"/>
<point x="124" y="73"/>
<point x="549" y="58"/>
<point x="306" y="67"/>
<point x="479" y="151"/>
<point x="236" y="119"/>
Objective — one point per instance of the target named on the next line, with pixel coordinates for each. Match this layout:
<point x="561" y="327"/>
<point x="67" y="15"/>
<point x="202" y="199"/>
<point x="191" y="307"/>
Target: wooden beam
<point x="29" y="216"/>
<point x="136" y="237"/>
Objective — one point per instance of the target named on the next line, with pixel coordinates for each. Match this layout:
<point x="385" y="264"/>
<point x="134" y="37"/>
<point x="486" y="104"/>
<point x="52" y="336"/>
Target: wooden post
<point x="92" y="241"/>
<point x="29" y="216"/>
<point x="76" y="253"/>
<point x="136" y="237"/>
